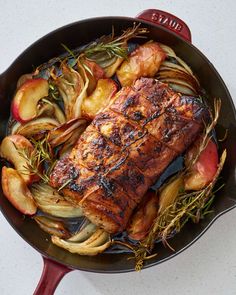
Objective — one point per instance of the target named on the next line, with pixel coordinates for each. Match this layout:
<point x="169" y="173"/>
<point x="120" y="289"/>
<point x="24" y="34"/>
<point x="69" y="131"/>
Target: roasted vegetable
<point x="84" y="233"/>
<point x="35" y="128"/>
<point x="98" y="242"/>
<point x="94" y="73"/>
<point x="142" y="62"/>
<point x="70" y="85"/>
<point x="52" y="110"/>
<point x="67" y="133"/>
<point x="52" y="226"/>
<point x="100" y="98"/>
<point x="16" y="191"/>
<point x="177" y="74"/>
<point x="50" y="201"/>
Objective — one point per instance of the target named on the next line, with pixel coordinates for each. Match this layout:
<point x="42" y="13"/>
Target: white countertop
<point x="207" y="267"/>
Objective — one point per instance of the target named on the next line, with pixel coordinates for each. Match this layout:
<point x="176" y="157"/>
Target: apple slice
<point x="16" y="191"/>
<point x="8" y="150"/>
<point x="24" y="105"/>
<point x="204" y="170"/>
<point x="143" y="216"/>
<point x="23" y="79"/>
<point x="100" y="98"/>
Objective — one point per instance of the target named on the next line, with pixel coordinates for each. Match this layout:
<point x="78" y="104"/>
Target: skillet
<point x="169" y="30"/>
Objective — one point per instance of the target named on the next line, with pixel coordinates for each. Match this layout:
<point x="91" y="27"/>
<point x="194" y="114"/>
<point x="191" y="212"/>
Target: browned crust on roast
<point x="126" y="148"/>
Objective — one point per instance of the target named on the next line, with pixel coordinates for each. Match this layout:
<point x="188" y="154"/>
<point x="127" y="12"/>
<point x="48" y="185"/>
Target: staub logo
<point x="167" y="21"/>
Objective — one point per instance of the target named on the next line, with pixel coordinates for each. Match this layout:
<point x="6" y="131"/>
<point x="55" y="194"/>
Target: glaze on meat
<point x="126" y="147"/>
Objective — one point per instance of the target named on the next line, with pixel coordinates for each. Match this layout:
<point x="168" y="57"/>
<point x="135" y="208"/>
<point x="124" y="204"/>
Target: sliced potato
<point x="100" y="98"/>
<point x="16" y="191"/>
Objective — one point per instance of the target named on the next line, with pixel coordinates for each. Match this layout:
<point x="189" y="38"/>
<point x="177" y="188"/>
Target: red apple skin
<point x="204" y="170"/>
<point x="27" y="96"/>
<point x="9" y="152"/>
<point x="16" y="191"/>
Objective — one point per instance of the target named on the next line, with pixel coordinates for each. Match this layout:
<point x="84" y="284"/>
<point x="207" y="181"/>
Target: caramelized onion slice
<point x="84" y="233"/>
<point x="64" y="132"/>
<point x="81" y="250"/>
<point x="51" y="202"/>
<point x="52" y="226"/>
<point x="35" y="128"/>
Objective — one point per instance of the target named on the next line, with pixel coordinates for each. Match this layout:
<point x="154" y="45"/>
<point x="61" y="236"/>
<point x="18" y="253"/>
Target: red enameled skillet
<point x="166" y="29"/>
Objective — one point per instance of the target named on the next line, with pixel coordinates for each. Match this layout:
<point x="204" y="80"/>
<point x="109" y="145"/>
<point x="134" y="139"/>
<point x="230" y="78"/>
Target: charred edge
<point x="119" y="163"/>
<point x="153" y="116"/>
<point x="107" y="185"/>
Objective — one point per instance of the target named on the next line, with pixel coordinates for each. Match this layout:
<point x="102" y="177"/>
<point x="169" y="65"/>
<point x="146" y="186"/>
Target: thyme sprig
<point x="193" y="205"/>
<point x="207" y="132"/>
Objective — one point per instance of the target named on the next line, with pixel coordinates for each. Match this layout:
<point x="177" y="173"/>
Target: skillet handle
<point x="166" y="20"/>
<point x="51" y="276"/>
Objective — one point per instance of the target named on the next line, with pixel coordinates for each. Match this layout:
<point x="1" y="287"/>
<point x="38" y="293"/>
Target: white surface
<point x="209" y="266"/>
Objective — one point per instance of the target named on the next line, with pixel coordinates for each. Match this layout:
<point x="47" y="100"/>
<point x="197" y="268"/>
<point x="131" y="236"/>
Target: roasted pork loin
<point x="126" y="147"/>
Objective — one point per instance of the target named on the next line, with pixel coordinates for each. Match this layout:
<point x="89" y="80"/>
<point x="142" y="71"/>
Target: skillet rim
<point x="223" y="85"/>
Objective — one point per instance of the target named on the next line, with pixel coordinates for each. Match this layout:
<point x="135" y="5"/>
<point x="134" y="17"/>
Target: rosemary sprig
<point x="42" y="155"/>
<point x="114" y="46"/>
<point x="33" y="163"/>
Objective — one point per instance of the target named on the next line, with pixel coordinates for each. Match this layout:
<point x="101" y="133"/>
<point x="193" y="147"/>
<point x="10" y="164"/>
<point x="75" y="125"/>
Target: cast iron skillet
<point x="169" y="30"/>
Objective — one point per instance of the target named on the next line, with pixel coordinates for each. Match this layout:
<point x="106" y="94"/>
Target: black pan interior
<point x="81" y="33"/>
